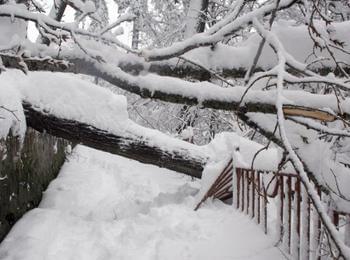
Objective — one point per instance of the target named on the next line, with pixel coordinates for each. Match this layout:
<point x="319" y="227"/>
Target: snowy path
<point x="106" y="207"/>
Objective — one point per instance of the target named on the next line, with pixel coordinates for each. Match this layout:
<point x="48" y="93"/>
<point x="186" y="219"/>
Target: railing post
<point x="259" y="195"/>
<point x="243" y="188"/>
<point x="239" y="176"/>
<point x="295" y="250"/>
<point x="264" y="207"/>
<point x="305" y="225"/>
<point x="347" y="230"/>
<point x="253" y="194"/>
<point x="234" y="185"/>
<point x="316" y="227"/>
<point x="281" y="207"/>
<point x="248" y="192"/>
<point x="287" y="212"/>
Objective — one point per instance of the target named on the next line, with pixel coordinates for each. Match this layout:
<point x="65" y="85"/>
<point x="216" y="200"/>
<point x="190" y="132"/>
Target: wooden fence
<point x="280" y="204"/>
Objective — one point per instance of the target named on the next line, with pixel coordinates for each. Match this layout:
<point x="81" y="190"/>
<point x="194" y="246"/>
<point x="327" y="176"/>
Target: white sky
<point x="69" y="17"/>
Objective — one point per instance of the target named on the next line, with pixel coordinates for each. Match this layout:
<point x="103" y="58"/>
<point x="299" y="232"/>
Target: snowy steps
<point x="103" y="206"/>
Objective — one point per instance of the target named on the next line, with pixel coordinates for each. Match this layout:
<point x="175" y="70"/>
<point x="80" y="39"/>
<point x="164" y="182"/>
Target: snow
<point x="82" y="101"/>
<point x="88" y="103"/>
<point x="212" y="36"/>
<point x="240" y="56"/>
<point x="12" y="119"/>
<point x="308" y="189"/>
<point x="210" y="173"/>
<point x="226" y="143"/>
<point x="76" y="99"/>
<point x="12" y="30"/>
<point x="107" y="207"/>
<point x="85" y="7"/>
<point x="317" y="155"/>
<point x="193" y="17"/>
<point x="11" y="113"/>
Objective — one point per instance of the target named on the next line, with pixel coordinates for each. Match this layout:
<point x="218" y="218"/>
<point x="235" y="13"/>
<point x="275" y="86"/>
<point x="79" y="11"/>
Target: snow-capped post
<point x="235" y="181"/>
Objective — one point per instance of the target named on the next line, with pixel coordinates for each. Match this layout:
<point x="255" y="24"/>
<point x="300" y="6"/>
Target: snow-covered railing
<point x="280" y="204"/>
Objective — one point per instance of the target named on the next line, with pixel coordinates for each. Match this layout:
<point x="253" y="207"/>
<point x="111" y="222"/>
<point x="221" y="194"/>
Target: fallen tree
<point x="181" y="160"/>
<point x="308" y="87"/>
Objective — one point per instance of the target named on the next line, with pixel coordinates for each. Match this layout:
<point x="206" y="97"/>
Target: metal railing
<point x="280" y="204"/>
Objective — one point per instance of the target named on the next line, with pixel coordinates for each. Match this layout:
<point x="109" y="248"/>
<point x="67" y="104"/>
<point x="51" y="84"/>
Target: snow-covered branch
<point x="229" y="27"/>
<point x="56" y="29"/>
<point x="295" y="159"/>
<point x="203" y="94"/>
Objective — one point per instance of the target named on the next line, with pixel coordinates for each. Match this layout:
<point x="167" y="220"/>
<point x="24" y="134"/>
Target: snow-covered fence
<point x="280" y="204"/>
<point x="26" y="168"/>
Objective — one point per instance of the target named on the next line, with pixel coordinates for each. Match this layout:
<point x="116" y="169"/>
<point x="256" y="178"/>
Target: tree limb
<point x="222" y="98"/>
<point x="132" y="147"/>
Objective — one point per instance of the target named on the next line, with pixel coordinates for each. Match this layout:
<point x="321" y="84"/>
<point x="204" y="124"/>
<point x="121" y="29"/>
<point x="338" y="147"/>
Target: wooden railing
<point x="280" y="204"/>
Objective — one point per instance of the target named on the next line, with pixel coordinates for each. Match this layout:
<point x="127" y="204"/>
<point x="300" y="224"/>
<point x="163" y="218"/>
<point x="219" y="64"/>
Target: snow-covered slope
<point x="107" y="207"/>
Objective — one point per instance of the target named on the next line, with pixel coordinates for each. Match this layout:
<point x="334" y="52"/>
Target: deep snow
<point x="103" y="206"/>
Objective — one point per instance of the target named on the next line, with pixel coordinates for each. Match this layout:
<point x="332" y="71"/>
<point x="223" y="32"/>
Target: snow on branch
<point x="229" y="27"/>
<point x="85" y="113"/>
<point x="297" y="162"/>
<point x="58" y="30"/>
<point x="204" y="94"/>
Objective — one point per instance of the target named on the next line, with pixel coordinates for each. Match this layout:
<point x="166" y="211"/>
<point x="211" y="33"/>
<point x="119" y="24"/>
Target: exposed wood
<point x="323" y="116"/>
<point x="134" y="148"/>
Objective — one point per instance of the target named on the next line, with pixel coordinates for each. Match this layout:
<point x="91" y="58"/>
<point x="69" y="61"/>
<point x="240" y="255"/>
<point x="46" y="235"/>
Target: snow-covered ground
<point x="103" y="206"/>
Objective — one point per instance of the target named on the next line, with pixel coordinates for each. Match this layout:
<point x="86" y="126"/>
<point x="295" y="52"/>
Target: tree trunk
<point x="180" y="160"/>
<point x="56" y="13"/>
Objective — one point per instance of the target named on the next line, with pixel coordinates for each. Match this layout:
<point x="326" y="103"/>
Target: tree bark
<point x="56" y="13"/>
<point x="180" y="160"/>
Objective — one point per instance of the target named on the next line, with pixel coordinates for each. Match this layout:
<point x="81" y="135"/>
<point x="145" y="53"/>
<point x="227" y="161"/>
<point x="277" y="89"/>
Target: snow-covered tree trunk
<point x="196" y="17"/>
<point x="133" y="147"/>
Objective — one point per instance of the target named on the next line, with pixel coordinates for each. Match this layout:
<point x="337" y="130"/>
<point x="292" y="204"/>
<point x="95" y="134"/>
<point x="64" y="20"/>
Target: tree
<point x="244" y="61"/>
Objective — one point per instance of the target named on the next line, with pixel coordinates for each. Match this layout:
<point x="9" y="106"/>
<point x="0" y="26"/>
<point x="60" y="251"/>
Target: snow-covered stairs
<point x="103" y="206"/>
